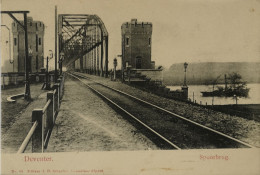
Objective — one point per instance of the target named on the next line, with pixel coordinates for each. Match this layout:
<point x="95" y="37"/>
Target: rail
<point x="44" y="119"/>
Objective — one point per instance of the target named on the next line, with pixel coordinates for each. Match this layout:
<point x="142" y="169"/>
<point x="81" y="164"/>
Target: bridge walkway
<point x="86" y="123"/>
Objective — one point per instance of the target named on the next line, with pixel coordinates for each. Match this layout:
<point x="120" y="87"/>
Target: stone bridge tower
<point x="136" y="45"/>
<point x="35" y="44"/>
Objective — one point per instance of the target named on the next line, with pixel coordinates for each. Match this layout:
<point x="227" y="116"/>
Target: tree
<point x="236" y="85"/>
<point x="235" y="81"/>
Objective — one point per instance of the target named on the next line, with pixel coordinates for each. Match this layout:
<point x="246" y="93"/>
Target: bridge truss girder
<point x="84" y="40"/>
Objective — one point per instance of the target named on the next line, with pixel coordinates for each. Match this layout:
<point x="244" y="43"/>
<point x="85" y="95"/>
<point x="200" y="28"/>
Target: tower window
<point x="36" y="66"/>
<point x="127" y="41"/>
<point x="18" y="43"/>
<point x="15" y="41"/>
<point x="40" y="41"/>
<point x="149" y="41"/>
<point x="36" y="43"/>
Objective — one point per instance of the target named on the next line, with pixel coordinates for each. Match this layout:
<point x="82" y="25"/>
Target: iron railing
<point x="43" y="120"/>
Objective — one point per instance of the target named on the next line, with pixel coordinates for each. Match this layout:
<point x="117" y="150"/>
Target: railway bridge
<point x="83" y="40"/>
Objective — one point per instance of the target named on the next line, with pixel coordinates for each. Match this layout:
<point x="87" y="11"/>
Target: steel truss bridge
<point x="84" y="40"/>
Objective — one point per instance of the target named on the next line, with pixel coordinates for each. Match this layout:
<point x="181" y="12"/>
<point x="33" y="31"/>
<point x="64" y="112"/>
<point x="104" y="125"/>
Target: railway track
<point x="166" y="129"/>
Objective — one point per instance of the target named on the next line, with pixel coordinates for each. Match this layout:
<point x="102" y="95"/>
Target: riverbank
<point x="250" y="111"/>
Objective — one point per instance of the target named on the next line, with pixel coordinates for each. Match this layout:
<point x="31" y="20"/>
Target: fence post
<point x="37" y="138"/>
<point x="56" y="97"/>
<point x="53" y="107"/>
<point x="61" y="86"/>
<point x="49" y="112"/>
<point x="58" y="88"/>
<point x="3" y="81"/>
<point x="59" y="81"/>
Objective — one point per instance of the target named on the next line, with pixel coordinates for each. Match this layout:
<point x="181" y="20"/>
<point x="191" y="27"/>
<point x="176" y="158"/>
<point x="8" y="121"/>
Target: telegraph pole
<point x="55" y="74"/>
<point x="27" y="94"/>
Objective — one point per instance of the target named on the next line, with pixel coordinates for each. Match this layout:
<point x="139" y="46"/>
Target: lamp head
<point x="50" y="54"/>
<point x="30" y="51"/>
<point x="61" y="56"/>
<point x="185" y="65"/>
<point x="115" y="62"/>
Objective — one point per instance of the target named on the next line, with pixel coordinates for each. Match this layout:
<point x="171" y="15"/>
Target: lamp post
<point x="185" y="87"/>
<point x="27" y="94"/>
<point x="185" y="68"/>
<point x="115" y="64"/>
<point x="47" y="83"/>
<point x="60" y="61"/>
<point x="235" y="97"/>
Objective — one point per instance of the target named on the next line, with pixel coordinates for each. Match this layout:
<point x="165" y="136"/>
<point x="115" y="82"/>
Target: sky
<point x="183" y="30"/>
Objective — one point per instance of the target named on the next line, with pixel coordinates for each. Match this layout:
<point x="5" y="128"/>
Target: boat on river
<point x="226" y="93"/>
<point x="238" y="89"/>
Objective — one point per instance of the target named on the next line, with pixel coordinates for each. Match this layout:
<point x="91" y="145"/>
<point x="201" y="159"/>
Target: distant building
<point x="136" y="44"/>
<point x="35" y="44"/>
<point x="6" y="55"/>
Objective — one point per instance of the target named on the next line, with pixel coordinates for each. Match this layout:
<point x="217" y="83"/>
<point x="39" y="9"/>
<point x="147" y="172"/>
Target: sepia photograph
<point x="129" y="87"/>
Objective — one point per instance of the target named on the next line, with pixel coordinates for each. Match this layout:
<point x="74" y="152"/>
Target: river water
<point x="253" y="97"/>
